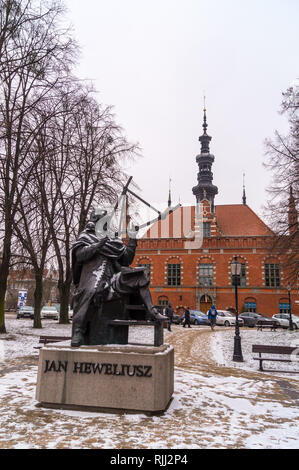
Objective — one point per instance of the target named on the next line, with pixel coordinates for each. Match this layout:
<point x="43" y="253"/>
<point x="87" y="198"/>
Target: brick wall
<point x="218" y="251"/>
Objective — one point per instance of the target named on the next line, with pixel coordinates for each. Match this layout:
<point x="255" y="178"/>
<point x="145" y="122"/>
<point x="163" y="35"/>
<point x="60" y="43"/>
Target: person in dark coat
<point x="101" y="272"/>
<point x="169" y="313"/>
<point x="212" y="316"/>
<point x="187" y="318"/>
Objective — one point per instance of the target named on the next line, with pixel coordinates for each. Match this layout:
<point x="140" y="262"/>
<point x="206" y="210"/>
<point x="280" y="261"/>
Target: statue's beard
<point x="90" y="229"/>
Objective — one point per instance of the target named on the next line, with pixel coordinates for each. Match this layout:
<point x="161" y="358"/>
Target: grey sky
<point x="153" y="60"/>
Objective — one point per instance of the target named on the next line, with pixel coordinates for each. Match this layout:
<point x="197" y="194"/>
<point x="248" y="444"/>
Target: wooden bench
<point x="279" y="350"/>
<point x="51" y="339"/>
<point x="273" y="325"/>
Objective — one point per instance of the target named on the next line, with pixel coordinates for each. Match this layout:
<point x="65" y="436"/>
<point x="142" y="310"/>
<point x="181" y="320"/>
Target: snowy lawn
<point x="216" y="403"/>
<point x="222" y="348"/>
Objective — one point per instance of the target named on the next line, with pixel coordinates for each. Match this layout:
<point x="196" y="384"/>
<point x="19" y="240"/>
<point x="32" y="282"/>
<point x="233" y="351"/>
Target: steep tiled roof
<point x="233" y="220"/>
<point x="239" y="220"/>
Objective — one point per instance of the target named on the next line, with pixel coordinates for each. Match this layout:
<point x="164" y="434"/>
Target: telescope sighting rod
<point x="125" y="189"/>
<point x="161" y="216"/>
<point x="142" y="200"/>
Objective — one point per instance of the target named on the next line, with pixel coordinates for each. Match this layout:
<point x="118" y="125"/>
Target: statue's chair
<point x="109" y="323"/>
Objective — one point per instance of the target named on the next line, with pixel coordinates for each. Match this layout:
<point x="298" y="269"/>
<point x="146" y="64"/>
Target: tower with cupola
<point x="205" y="189"/>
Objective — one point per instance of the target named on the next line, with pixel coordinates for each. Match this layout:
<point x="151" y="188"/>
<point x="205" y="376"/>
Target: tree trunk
<point x="2" y="309"/>
<point x="64" y="292"/>
<point x="4" y="272"/>
<point x="38" y="296"/>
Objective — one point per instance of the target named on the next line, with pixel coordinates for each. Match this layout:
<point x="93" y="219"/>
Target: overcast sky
<point x="154" y="60"/>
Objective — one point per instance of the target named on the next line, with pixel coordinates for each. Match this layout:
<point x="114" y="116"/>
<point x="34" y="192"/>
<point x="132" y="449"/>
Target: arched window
<point x="241" y="280"/>
<point x="205" y="274"/>
<point x="272" y="274"/>
<point x="250" y="305"/>
<point x="174" y="273"/>
<point x="163" y="301"/>
<point x="284" y="306"/>
<point x="147" y="265"/>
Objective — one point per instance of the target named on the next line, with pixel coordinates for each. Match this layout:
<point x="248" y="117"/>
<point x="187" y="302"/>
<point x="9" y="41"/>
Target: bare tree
<point x="32" y="230"/>
<point x="84" y="169"/>
<point x="34" y="58"/>
<point x="282" y="209"/>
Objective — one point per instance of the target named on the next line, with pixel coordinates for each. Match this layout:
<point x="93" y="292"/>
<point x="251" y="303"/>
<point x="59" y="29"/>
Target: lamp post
<point x="236" y="272"/>
<point x="289" y="287"/>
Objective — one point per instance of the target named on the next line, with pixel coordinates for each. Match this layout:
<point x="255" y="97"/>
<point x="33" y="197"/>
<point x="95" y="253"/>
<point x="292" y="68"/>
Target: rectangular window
<point x="173" y="274"/>
<point x="206" y="228"/>
<point x="284" y="308"/>
<point x="272" y="275"/>
<point x="250" y="306"/>
<point x="241" y="280"/>
<point x="205" y="272"/>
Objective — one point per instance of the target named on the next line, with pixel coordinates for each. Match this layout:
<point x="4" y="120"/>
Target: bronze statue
<point x="101" y="273"/>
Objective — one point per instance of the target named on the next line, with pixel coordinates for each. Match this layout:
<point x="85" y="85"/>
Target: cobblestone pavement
<point x="213" y="407"/>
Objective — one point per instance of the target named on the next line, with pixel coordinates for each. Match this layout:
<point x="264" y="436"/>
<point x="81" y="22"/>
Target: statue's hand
<point x="133" y="231"/>
<point x="101" y="243"/>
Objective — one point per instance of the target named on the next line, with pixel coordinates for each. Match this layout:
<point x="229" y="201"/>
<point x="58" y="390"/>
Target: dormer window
<point x="206" y="228"/>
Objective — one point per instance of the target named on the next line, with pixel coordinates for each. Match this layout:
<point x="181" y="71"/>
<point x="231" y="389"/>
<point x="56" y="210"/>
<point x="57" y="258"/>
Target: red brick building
<point x="189" y="253"/>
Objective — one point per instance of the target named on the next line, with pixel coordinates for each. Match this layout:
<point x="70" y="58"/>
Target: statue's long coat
<point x="101" y="269"/>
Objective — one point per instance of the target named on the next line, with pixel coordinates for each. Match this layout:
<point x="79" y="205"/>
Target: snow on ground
<point x="21" y="338"/>
<point x="216" y="403"/>
<point x="222" y="348"/>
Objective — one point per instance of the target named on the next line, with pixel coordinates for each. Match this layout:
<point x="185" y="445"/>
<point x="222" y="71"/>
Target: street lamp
<point x="236" y="272"/>
<point x="289" y="287"/>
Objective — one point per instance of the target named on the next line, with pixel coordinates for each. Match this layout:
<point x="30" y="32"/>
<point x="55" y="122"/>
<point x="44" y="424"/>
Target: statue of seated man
<point x="101" y="273"/>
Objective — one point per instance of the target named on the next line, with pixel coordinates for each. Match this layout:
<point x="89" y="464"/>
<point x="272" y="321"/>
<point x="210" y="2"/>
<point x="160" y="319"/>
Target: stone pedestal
<point x="121" y="377"/>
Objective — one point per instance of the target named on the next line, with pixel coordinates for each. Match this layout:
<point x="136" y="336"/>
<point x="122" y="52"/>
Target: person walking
<point x="212" y="316"/>
<point x="169" y="314"/>
<point x="187" y="318"/>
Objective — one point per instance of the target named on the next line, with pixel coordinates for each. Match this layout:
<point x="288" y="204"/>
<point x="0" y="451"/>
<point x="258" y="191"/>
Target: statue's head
<point x="90" y="226"/>
<point x="97" y="214"/>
